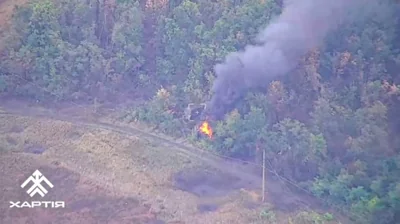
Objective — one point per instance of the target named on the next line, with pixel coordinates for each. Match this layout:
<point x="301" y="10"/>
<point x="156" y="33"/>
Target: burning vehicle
<point x="197" y="113"/>
<point x="194" y="111"/>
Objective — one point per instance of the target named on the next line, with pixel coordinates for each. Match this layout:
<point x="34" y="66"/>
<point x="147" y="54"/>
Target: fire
<point x="206" y="129"/>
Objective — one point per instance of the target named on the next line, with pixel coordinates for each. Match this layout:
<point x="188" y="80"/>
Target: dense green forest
<point x="332" y="125"/>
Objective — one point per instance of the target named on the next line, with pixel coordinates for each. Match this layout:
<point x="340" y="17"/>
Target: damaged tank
<point x="194" y="112"/>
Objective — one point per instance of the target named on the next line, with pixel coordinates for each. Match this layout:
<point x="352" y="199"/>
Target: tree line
<point x="331" y="125"/>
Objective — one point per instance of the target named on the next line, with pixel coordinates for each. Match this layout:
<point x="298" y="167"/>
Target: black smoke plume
<point x="302" y="26"/>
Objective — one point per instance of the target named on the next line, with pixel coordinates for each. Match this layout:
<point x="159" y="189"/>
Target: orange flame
<point x="206" y="129"/>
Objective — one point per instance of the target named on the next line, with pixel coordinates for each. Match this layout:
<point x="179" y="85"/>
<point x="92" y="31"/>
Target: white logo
<point x="37" y="188"/>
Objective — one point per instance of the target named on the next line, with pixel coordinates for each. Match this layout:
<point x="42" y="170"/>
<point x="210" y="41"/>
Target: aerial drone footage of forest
<point x="309" y="88"/>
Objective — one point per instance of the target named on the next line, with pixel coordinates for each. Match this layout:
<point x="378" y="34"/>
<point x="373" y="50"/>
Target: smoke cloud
<point x="302" y="26"/>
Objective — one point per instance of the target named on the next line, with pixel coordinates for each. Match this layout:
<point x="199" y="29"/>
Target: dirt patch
<point x="203" y="183"/>
<point x="35" y="149"/>
<point x="207" y="207"/>
<point x="211" y="184"/>
<point x="17" y="129"/>
<point x="11" y="140"/>
<point x="251" y="204"/>
<point x="288" y="204"/>
<point x="91" y="203"/>
<point x="74" y="135"/>
<point x="106" y="209"/>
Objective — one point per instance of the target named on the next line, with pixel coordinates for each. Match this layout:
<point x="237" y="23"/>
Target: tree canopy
<point x="332" y="124"/>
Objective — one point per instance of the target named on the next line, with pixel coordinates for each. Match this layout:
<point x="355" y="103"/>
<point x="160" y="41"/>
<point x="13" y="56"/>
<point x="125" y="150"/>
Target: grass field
<point x="109" y="176"/>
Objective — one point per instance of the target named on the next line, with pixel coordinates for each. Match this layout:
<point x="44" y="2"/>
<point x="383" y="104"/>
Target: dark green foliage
<point x="332" y="124"/>
<point x="57" y="51"/>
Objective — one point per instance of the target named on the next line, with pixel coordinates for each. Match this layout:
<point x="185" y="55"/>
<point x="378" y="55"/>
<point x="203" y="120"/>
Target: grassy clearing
<point x="127" y="166"/>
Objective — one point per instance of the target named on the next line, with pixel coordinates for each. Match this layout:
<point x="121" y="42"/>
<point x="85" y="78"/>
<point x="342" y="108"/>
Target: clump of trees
<point x="331" y="125"/>
<point x="67" y="50"/>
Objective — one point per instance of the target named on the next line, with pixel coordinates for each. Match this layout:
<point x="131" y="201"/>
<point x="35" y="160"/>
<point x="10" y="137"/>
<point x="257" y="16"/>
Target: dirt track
<point x="225" y="166"/>
<point x="85" y="175"/>
<point x="244" y="172"/>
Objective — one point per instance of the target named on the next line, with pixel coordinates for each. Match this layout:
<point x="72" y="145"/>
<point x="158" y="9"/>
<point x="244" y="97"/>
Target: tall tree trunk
<point x="104" y="21"/>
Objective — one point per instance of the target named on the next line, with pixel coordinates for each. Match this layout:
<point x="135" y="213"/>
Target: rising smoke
<point x="301" y="27"/>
